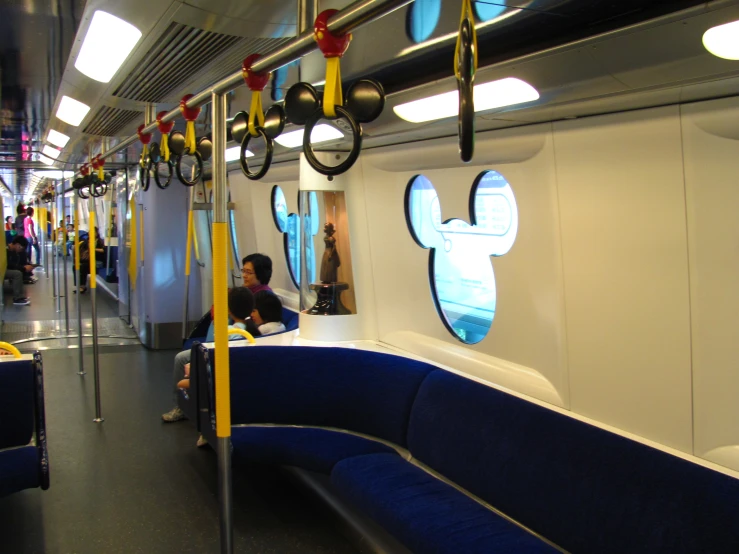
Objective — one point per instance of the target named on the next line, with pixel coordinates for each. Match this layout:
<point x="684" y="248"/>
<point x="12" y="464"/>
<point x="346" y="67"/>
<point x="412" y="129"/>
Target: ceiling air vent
<point x="108" y="122"/>
<point x="184" y="55"/>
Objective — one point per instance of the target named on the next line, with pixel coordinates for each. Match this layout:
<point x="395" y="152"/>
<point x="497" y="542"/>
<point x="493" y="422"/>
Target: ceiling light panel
<point x="488" y="96"/>
<point x="320" y="133"/>
<point x="72" y="111"/>
<point x="723" y="40"/>
<point x="52" y="153"/>
<point x="233" y="153"/>
<point x="108" y="42"/>
<point x="57" y="139"/>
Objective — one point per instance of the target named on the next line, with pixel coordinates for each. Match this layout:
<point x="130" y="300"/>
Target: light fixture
<point x="320" y="133"/>
<point x="723" y="40"/>
<point x="57" y="139"/>
<point x="53" y="174"/>
<point x="52" y="153"/>
<point x="45" y="160"/>
<point x="108" y="42"/>
<point x="496" y="94"/>
<point x="72" y="111"/>
<point x="233" y="153"/>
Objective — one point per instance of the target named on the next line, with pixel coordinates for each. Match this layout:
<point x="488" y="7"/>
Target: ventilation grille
<point x="108" y="122"/>
<point x="183" y="54"/>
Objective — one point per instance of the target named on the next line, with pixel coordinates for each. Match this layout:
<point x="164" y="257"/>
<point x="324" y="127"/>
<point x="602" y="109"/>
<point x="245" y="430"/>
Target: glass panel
<point x="463" y="284"/>
<point x="485" y="11"/>
<point x="332" y="292"/>
<point x="422" y="18"/>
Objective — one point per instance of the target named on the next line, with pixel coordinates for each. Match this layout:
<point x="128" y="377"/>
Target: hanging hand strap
<point x="145" y="139"/>
<point x="468" y="14"/>
<point x="190" y="115"/>
<point x="165" y="129"/>
<point x="256" y="83"/>
<point x="333" y="47"/>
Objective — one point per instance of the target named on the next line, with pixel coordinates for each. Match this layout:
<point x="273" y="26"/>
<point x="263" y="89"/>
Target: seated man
<point x="240" y="307"/>
<point x="18" y="270"/>
<point x="267" y="313"/>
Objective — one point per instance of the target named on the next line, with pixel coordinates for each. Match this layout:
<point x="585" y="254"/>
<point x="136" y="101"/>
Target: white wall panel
<point x="528" y="329"/>
<point x="622" y="202"/>
<point x="711" y="144"/>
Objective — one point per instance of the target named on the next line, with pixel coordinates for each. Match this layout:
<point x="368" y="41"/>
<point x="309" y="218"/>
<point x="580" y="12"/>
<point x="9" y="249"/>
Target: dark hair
<point x="29" y="211"/>
<point x="23" y="241"/>
<point x="268" y="305"/>
<point x="9" y="217"/>
<point x="262" y="267"/>
<point x="20" y="210"/>
<point x="240" y="302"/>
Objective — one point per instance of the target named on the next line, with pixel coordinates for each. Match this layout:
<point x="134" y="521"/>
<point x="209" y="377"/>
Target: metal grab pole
<point x="188" y="262"/>
<point x="44" y="237"/>
<point x="64" y="273"/>
<point x="91" y="246"/>
<point x="77" y="274"/>
<point x="220" y="284"/>
<point x="53" y="256"/>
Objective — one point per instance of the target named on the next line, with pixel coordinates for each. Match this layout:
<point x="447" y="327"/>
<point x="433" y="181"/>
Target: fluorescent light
<point x="723" y="40"/>
<point x="320" y="133"/>
<point x="53" y="174"/>
<point x="57" y="139"/>
<point x="52" y="153"/>
<point x="45" y="160"/>
<point x="108" y="42"/>
<point x="72" y="111"/>
<point x="496" y="94"/>
<point x="233" y="153"/>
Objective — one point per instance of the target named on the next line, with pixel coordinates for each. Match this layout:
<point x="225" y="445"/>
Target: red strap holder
<point x="333" y="47"/>
<point x="256" y="83"/>
<point x="190" y="115"/>
<point x="84" y="170"/>
<point x="145" y="138"/>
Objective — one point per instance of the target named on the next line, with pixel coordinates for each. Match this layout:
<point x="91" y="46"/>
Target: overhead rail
<point x="349" y="19"/>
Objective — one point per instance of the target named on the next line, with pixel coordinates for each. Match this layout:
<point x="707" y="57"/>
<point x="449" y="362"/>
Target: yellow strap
<point x="332" y="90"/>
<point x="220" y="296"/>
<point x="17" y="354"/>
<point x="195" y="240"/>
<point x="191" y="143"/>
<point x="256" y="112"/>
<point x="144" y="153"/>
<point x="91" y="245"/>
<point x="77" y="244"/>
<point x="189" y="243"/>
<point x="141" y="235"/>
<point x="132" y="267"/>
<point x="245" y="334"/>
<point x="165" y="147"/>
<point x="101" y="174"/>
<point x="466" y="12"/>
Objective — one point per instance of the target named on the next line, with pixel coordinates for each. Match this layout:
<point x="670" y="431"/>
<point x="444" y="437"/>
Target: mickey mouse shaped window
<point x="460" y="270"/>
<point x="289" y="225"/>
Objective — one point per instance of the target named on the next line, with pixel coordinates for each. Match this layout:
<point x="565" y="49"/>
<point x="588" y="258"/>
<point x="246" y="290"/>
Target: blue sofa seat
<point x="572" y="484"/>
<point x="290" y="320"/>
<point x="310" y="448"/>
<point x="426" y="514"/>
<point x="24" y="461"/>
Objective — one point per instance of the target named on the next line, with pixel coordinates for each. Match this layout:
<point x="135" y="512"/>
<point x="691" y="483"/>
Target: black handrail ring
<point x="465" y="85"/>
<point x="270" y="148"/>
<point x="157" y="177"/>
<point x="310" y="156"/>
<point x="178" y="166"/>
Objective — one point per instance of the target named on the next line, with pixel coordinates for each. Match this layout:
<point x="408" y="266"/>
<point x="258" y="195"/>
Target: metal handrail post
<point x="220" y="284"/>
<point x="64" y="259"/>
<point x="91" y="245"/>
<point x="76" y="262"/>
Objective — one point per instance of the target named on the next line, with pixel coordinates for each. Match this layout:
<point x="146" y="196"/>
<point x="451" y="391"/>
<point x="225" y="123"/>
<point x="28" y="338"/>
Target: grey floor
<point x="134" y="484"/>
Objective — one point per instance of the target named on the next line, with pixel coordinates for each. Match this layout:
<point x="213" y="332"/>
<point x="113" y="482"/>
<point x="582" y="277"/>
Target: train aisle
<point x="134" y="484"/>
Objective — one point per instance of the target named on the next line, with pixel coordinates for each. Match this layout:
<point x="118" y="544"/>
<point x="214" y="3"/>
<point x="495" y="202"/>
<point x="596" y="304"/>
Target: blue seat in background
<point x="24" y="461"/>
<point x="392" y="434"/>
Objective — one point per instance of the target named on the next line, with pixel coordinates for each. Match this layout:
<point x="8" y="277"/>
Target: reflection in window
<point x="289" y="224"/>
<point x="461" y="274"/>
<point x="487" y="9"/>
<point x="422" y="18"/>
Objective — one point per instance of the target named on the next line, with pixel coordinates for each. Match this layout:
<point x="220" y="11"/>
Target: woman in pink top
<point x="30" y="231"/>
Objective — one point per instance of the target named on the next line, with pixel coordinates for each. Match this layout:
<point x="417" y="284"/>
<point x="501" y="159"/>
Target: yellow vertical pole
<point x="132" y="255"/>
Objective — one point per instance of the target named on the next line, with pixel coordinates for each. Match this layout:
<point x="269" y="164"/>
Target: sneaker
<point x="201" y="442"/>
<point x="175" y="414"/>
<point x="21" y="301"/>
<point x="30" y="281"/>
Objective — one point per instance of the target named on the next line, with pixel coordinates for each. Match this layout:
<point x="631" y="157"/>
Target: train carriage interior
<point x="378" y="276"/>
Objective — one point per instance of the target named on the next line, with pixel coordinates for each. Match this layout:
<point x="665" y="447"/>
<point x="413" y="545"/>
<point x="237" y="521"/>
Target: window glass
<point x="487" y="10"/>
<point x="279" y="77"/>
<point x="460" y="269"/>
<point x="289" y="224"/>
<point x="422" y="18"/>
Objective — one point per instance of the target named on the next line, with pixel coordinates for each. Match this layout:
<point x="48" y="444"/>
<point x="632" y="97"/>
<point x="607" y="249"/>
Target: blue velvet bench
<point x="449" y="465"/>
<point x="24" y="460"/>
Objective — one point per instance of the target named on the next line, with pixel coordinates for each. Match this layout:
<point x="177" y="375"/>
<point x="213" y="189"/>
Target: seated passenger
<point x="267" y="314"/>
<point x="18" y="269"/>
<point x="240" y="307"/>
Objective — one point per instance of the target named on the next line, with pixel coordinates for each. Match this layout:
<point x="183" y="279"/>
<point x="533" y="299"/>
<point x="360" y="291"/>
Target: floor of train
<point x="134" y="484"/>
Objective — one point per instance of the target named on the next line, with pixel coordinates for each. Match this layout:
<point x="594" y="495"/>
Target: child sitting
<point x="240" y="305"/>
<point x="267" y="313"/>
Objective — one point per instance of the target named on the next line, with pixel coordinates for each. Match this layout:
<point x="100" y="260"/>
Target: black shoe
<point x="21" y="301"/>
